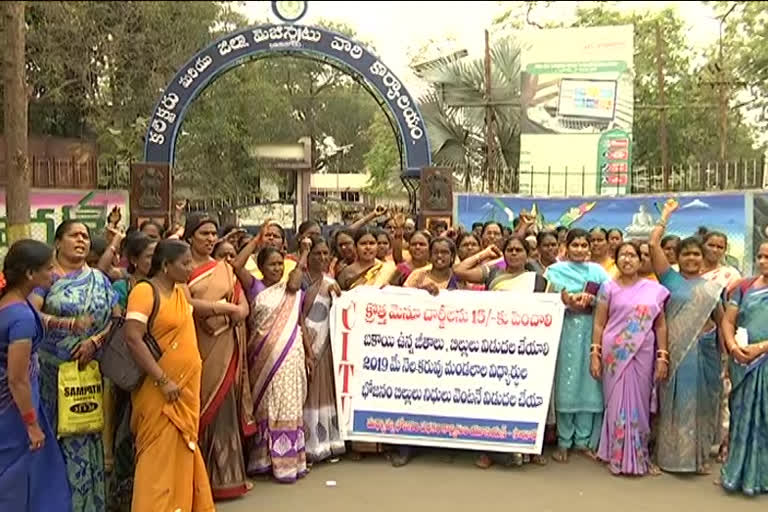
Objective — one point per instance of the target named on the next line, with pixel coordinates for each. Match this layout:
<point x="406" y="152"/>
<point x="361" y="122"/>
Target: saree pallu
<point x="379" y="275"/>
<point x="321" y="422"/>
<point x="170" y="470"/>
<point x="225" y="410"/>
<point x="578" y="396"/>
<point x="84" y="292"/>
<point x="278" y="385"/>
<point x="628" y="366"/>
<point x="746" y="469"/>
<point x="689" y="398"/>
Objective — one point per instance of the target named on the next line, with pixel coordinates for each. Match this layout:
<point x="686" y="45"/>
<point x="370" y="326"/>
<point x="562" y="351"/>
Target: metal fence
<point x="699" y="177"/>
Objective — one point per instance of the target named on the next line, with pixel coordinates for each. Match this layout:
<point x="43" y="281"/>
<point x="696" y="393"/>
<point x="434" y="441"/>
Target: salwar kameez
<point x="578" y="396"/>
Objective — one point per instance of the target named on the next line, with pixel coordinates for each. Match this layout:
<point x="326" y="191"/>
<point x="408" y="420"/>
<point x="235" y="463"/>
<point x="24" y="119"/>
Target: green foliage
<point x="454" y="111"/>
<point x="383" y="158"/>
<point x="96" y="69"/>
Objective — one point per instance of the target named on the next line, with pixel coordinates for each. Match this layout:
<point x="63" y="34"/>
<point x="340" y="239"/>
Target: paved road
<point x="434" y="483"/>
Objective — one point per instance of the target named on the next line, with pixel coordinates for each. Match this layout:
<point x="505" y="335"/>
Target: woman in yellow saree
<point x="367" y="270"/>
<point x="226" y="405"/>
<point x="170" y="472"/>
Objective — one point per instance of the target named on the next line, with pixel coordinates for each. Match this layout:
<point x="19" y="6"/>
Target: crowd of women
<point x="660" y="365"/>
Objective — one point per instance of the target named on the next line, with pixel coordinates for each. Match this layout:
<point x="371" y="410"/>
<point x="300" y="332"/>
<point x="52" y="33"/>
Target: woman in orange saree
<point x="170" y="472"/>
<point x="225" y="403"/>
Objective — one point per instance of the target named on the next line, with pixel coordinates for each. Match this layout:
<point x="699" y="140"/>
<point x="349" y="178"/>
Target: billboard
<point x="576" y="111"/>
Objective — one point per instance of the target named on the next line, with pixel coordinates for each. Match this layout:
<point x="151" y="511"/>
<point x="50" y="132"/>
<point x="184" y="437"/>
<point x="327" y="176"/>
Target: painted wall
<point x="740" y="216"/>
<point x="51" y="207"/>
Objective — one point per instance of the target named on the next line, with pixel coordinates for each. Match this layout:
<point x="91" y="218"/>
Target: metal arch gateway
<point x="262" y="41"/>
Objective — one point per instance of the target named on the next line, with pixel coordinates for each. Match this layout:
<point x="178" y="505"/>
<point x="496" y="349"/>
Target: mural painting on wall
<point x="634" y="215"/>
<point x="51" y="207"/>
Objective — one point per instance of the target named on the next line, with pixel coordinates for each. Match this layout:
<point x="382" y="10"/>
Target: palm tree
<point x="454" y="110"/>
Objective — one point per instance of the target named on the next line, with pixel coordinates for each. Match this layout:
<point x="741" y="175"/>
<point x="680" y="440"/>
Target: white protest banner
<point x="464" y="369"/>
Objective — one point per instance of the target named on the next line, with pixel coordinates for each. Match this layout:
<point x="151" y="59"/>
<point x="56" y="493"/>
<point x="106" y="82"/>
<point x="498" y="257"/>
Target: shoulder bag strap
<point x="149" y="339"/>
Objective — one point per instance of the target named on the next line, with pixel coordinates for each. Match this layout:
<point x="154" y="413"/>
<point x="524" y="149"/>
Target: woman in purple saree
<point x="629" y="324"/>
<point x="278" y="367"/>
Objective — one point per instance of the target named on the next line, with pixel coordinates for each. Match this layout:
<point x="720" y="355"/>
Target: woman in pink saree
<point x="278" y="368"/>
<point x="629" y="324"/>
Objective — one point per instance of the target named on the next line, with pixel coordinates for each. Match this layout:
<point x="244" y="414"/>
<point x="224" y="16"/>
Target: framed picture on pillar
<point x="150" y="192"/>
<point x="436" y="194"/>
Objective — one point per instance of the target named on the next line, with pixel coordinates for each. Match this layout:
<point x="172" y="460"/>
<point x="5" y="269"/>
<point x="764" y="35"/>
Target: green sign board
<point x="614" y="162"/>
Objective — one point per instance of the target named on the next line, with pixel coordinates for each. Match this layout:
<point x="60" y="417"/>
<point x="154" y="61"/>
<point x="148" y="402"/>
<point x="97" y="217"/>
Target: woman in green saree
<point x="688" y="399"/>
<point x="76" y="312"/>
<point x="746" y="468"/>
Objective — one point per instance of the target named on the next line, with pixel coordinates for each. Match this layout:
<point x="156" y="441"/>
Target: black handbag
<point x="115" y="358"/>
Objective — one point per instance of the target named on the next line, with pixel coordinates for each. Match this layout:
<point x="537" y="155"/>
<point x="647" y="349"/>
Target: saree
<point x="688" y="399"/>
<point x="225" y="403"/>
<point x="321" y="422"/>
<point x="83" y="292"/>
<point x="578" y="396"/>
<point x="379" y="275"/>
<point x="278" y="385"/>
<point x="120" y="481"/>
<point x="628" y="367"/>
<point x="30" y="481"/>
<point x="746" y="469"/>
<point x="170" y="471"/>
<point x="498" y="280"/>
<point x="727" y="277"/>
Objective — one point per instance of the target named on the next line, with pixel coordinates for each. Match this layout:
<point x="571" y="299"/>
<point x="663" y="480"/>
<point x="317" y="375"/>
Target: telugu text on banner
<point x="464" y="369"/>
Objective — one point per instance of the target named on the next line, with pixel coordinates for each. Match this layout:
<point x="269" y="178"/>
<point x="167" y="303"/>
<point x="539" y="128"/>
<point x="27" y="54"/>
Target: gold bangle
<point x="162" y="381"/>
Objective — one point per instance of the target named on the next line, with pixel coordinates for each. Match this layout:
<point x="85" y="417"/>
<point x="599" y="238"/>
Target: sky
<point x="399" y="29"/>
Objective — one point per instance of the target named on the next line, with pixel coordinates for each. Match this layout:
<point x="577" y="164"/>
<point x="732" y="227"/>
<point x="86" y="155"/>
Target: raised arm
<point x="658" y="258"/>
<point x="112" y="250"/>
<point x="368" y="217"/>
<point x="471" y="269"/>
<point x="294" y="278"/>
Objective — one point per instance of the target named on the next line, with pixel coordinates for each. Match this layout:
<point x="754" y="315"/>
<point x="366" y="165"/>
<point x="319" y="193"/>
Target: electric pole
<point x="15" y="103"/>
<point x="663" y="142"/>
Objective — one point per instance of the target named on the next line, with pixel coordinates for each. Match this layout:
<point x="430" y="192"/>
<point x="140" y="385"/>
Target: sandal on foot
<point x="483" y="462"/>
<point x="560" y="456"/>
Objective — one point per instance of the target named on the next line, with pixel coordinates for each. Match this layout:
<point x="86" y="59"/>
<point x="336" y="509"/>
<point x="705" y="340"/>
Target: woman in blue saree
<point x="689" y="398"/>
<point x="32" y="475"/>
<point x="746" y="468"/>
<point x="76" y="309"/>
<point x="578" y="397"/>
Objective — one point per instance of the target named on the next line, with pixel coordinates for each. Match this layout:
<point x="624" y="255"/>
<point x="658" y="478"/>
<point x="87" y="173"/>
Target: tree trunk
<point x="15" y="123"/>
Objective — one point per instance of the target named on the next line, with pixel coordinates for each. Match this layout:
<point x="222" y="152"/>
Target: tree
<point x="692" y="104"/>
<point x="276" y="100"/>
<point x="745" y="56"/>
<point x="455" y="116"/>
<point x="15" y="122"/>
<point x="383" y="159"/>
